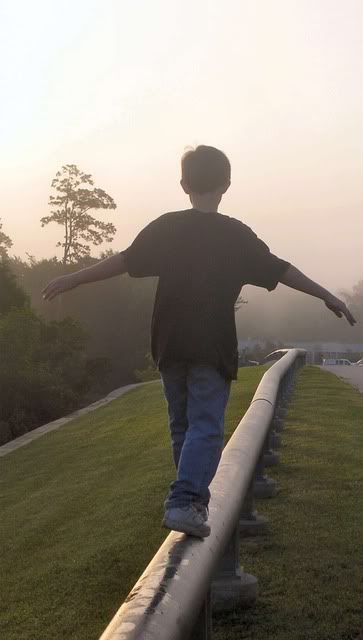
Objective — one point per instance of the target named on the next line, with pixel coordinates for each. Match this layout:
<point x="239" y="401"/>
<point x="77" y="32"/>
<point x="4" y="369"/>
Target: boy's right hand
<point x="59" y="285"/>
<point x="340" y="309"/>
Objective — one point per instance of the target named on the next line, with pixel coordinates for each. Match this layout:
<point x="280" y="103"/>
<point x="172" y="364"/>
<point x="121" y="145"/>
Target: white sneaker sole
<point x="178" y="525"/>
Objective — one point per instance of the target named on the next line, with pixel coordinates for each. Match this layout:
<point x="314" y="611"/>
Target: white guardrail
<point x="174" y="597"/>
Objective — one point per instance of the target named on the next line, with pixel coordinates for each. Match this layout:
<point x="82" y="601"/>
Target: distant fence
<point x="174" y="597"/>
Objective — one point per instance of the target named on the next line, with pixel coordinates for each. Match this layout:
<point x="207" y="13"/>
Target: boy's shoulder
<point x="183" y="214"/>
<point x="239" y="231"/>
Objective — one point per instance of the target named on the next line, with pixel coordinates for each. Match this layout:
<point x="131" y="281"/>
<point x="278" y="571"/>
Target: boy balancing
<point x="202" y="258"/>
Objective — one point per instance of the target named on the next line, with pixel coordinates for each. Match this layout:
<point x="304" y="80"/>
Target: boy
<point x="202" y="259"/>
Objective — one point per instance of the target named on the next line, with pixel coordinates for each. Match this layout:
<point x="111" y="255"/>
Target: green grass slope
<point x="81" y="512"/>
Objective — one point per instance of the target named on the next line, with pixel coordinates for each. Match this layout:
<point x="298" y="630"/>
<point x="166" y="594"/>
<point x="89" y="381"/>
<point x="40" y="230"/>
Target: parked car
<point x="275" y="355"/>
<point x="333" y="361"/>
<point x="359" y="363"/>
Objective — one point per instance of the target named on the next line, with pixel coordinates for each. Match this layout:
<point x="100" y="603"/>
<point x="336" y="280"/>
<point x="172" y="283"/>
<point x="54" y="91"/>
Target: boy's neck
<point x="206" y="202"/>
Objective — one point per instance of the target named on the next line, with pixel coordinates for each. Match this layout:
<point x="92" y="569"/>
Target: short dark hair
<point x="205" y="169"/>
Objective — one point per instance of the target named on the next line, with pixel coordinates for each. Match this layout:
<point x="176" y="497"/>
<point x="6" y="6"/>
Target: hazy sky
<point x="120" y="87"/>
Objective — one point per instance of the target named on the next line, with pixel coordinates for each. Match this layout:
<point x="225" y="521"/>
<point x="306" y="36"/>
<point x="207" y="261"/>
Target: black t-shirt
<point x="202" y="261"/>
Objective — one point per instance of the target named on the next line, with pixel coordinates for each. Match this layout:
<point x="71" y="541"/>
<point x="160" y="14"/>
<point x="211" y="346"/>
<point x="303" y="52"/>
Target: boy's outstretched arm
<point x="297" y="280"/>
<point x="108" y="268"/>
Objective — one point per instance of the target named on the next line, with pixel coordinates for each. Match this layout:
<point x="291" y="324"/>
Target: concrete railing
<point x="187" y="577"/>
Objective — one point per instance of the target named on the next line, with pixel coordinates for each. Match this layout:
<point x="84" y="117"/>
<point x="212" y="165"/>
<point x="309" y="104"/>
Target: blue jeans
<point x="197" y="396"/>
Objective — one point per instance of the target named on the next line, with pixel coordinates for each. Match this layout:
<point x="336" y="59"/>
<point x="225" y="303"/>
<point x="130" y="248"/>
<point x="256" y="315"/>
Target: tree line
<point x="46" y="367"/>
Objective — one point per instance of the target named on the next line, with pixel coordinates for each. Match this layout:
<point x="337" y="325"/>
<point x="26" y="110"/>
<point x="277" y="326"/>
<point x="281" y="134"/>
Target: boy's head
<point x="205" y="170"/>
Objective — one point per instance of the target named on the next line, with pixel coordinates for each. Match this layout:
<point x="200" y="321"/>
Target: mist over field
<point x="290" y="316"/>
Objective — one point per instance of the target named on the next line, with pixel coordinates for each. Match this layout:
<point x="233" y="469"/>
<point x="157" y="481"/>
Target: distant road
<point x="354" y="375"/>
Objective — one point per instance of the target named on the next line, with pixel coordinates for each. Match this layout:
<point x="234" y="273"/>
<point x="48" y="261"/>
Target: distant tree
<point x="12" y="295"/>
<point x="355" y="297"/>
<point x="5" y="243"/>
<point x="70" y="209"/>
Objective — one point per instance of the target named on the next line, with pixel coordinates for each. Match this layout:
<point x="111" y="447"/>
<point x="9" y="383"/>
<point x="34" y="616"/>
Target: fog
<point x="121" y="88"/>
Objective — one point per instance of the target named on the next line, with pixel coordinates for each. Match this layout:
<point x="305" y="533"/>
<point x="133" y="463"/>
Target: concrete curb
<point x="56" y="424"/>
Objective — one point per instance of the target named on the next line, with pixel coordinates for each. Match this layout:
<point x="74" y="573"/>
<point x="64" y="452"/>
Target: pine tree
<point x="70" y="209"/>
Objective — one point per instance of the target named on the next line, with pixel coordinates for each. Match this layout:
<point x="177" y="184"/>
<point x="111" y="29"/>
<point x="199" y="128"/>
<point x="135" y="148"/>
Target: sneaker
<point x="187" y="520"/>
<point x="203" y="510"/>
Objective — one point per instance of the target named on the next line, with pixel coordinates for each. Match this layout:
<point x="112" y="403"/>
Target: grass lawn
<point x="310" y="566"/>
<point x="81" y="510"/>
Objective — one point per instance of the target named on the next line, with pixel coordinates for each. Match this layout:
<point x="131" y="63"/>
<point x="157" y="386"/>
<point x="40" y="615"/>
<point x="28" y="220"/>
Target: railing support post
<point x="270" y="457"/>
<point x="280" y="412"/>
<point x="231" y="587"/>
<point x="264" y="487"/>
<point x="275" y="438"/>
<point x="251" y="523"/>
<point x="203" y="627"/>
